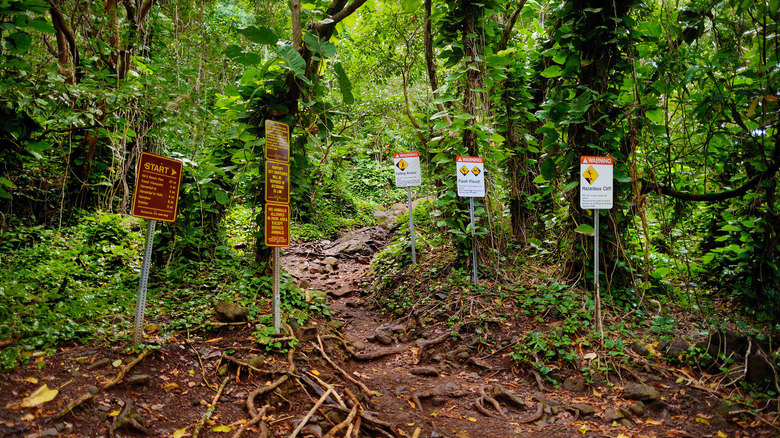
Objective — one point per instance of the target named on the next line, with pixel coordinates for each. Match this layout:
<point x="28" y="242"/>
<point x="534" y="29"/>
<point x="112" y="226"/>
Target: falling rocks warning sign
<point x="407" y="169"/>
<point x="596" y="183"/>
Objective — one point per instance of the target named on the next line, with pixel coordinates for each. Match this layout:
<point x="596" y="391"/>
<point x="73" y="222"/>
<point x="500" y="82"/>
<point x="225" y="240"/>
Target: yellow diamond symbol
<point x="590" y="175"/>
<point x="464" y="170"/>
<point x="402" y="164"/>
<point x="475" y="171"/>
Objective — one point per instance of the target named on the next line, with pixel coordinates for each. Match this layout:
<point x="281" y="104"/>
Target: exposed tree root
<point x="92" y="392"/>
<point x="311" y="412"/>
<point x="346" y="375"/>
<point x="257" y="418"/>
<point x="207" y="415"/>
<point x="432" y="342"/>
<point x="127" y="419"/>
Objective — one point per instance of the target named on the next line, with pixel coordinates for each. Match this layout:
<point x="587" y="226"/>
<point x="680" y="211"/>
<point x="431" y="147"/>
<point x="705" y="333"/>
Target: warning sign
<point x="277" y="182"/>
<point x="471" y="177"/>
<point x="277" y="224"/>
<point x="407" y="169"/>
<point x="596" y="182"/>
<point x="156" y="194"/>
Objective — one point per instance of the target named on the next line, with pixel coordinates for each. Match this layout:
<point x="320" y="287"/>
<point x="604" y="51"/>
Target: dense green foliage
<point x="684" y="97"/>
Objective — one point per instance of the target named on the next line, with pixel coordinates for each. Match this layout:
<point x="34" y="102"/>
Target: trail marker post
<point x="470" y="173"/>
<point x="156" y="197"/>
<point x="277" y="202"/>
<point x="407" y="174"/>
<point x="596" y="179"/>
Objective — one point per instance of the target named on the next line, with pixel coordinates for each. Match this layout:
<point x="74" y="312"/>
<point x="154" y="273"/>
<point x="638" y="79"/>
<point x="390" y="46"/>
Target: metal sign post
<point x="407" y="174"/>
<point x="473" y="242"/>
<point x="470" y="174"/>
<point x="411" y="223"/>
<point x="596" y="193"/>
<point x="156" y="197"/>
<point x="277" y="207"/>
<point x="140" y="304"/>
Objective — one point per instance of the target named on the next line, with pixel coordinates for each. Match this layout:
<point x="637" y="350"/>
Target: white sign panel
<point x="471" y="177"/>
<point x="407" y="169"/>
<point x="596" y="183"/>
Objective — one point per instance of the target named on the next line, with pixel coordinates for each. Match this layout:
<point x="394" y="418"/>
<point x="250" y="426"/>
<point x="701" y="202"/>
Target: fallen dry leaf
<point x="181" y="433"/>
<point x="39" y="397"/>
<point x="223" y="429"/>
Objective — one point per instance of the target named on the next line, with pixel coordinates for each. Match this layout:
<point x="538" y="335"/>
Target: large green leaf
<point x="320" y="46"/>
<point x="292" y="60"/>
<point x="344" y="84"/>
<point x="18" y="42"/>
<point x="41" y="26"/>
<point x="549" y="169"/>
<point x="259" y="35"/>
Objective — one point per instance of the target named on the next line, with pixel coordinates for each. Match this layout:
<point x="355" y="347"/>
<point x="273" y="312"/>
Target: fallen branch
<point x="305" y="419"/>
<point x="206" y="416"/>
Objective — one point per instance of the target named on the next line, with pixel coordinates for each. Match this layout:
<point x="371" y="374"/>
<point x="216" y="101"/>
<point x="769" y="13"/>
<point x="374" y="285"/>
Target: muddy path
<point x="363" y="372"/>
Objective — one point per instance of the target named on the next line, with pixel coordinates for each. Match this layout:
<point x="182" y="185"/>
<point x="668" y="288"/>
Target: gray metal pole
<point x="277" y="294"/>
<point x="473" y="242"/>
<point x="140" y="304"/>
<point x="599" y="322"/>
<point x="411" y="223"/>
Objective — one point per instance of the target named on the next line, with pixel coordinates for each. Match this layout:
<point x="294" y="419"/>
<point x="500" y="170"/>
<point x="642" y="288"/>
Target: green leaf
<point x="259" y="35"/>
<point x="549" y="169"/>
<point x="319" y="45"/>
<point x="552" y="71"/>
<point x="410" y="5"/>
<point x="41" y="26"/>
<point x="221" y="196"/>
<point x="344" y="84"/>
<point x="585" y="229"/>
<point x="292" y="60"/>
<point x="19" y="42"/>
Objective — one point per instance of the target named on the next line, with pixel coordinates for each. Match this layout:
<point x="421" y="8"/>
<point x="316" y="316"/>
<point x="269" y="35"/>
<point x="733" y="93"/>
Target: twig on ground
<point x="305" y="419"/>
<point x="207" y="415"/>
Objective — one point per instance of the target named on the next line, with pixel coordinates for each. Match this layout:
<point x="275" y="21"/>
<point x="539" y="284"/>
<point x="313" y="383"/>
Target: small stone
<point x="222" y="371"/>
<point x="257" y="361"/>
<point x="637" y="409"/>
<point x="52" y="431"/>
<point x="383" y="336"/>
<point x="118" y="319"/>
<point x="573" y="385"/>
<point x="331" y="261"/>
<point x="354" y="304"/>
<point x="584" y="409"/>
<point x="138" y="379"/>
<point x="676" y="349"/>
<point x="336" y="324"/>
<point x="440" y="296"/>
<point x="463" y="355"/>
<point x="359" y="346"/>
<point x="612" y="414"/>
<point x="640" y="349"/>
<point x="639" y="391"/>
<point x="228" y="312"/>
<point x="425" y="371"/>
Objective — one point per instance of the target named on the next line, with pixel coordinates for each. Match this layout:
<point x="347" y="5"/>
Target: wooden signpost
<point x="277" y="197"/>
<point x="156" y="197"/>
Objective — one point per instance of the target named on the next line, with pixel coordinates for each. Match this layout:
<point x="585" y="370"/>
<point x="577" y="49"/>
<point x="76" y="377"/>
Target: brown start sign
<point x="277" y="182"/>
<point x="277" y="224"/>
<point x="156" y="195"/>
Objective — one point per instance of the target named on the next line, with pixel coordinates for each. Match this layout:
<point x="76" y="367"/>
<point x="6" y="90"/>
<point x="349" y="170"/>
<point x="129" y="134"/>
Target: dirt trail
<point x="360" y="373"/>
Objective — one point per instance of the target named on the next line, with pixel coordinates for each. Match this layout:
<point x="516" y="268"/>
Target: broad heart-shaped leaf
<point x="344" y="84"/>
<point x="318" y="45"/>
<point x="549" y="169"/>
<point x="259" y="35"/>
<point x="585" y="229"/>
<point x="19" y="42"/>
<point x="552" y="71"/>
<point x="293" y="60"/>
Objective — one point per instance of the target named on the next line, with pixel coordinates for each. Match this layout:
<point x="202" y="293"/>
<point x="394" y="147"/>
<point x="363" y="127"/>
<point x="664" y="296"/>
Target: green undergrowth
<point x="79" y="284"/>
